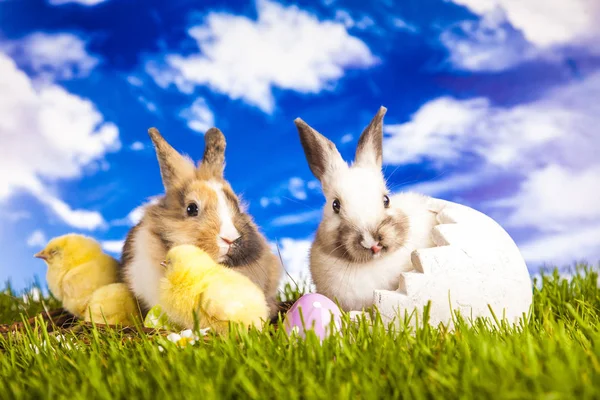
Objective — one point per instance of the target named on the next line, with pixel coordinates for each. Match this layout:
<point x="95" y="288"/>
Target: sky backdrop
<point x="491" y="103"/>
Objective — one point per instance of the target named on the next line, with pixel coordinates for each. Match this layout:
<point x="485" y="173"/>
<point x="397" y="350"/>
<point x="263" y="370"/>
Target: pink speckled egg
<point x="318" y="313"/>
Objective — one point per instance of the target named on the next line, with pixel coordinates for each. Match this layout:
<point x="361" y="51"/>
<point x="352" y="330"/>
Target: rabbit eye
<point x="192" y="210"/>
<point x="386" y="201"/>
<point x="336" y="206"/>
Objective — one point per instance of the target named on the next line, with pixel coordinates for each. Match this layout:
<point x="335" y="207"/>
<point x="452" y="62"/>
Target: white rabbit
<point x="366" y="237"/>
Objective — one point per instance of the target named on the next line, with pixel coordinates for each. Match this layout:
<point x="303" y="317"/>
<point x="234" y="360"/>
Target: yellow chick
<point x="76" y="268"/>
<point x="194" y="283"/>
<point x="113" y="304"/>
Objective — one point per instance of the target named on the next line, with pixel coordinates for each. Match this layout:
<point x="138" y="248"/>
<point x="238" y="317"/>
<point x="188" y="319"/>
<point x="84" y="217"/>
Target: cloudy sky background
<point x="491" y="103"/>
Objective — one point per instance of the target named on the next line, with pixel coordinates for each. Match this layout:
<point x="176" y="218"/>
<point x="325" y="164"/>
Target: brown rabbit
<point x="200" y="208"/>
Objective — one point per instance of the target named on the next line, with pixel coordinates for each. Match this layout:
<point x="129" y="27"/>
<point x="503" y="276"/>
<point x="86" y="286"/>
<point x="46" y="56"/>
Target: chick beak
<point x="42" y="255"/>
<point x="163" y="264"/>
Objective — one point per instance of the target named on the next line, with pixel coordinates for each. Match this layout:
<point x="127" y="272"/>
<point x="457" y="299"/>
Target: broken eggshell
<point x="315" y="312"/>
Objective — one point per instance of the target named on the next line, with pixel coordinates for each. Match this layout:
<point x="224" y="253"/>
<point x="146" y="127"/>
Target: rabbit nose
<point x="370" y="243"/>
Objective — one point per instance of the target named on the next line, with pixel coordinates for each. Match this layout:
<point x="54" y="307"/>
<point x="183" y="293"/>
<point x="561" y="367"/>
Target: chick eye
<point x="386" y="201"/>
<point x="336" y="206"/>
<point x="192" y="210"/>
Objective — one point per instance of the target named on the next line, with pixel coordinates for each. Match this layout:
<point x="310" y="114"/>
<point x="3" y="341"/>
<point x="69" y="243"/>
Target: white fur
<point x="360" y="190"/>
<point x="228" y="230"/>
<point x="142" y="275"/>
<point x="352" y="285"/>
<point x="368" y="241"/>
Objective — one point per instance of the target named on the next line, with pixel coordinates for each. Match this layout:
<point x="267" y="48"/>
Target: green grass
<point x="555" y="355"/>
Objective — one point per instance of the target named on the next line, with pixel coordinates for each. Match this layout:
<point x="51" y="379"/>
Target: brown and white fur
<point x="366" y="236"/>
<point x="200" y="208"/>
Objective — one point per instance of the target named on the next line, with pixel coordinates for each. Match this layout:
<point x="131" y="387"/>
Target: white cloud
<point x="451" y="184"/>
<point x="137" y="146"/>
<point x="135" y="81"/>
<point x="563" y="205"/>
<point x="560" y="127"/>
<point x="314" y="185"/>
<point x="294" y="254"/>
<point x="266" y="201"/>
<point x="510" y="32"/>
<point x="297" y="219"/>
<point x="555" y="198"/>
<point x="14" y="216"/>
<point x="438" y="130"/>
<point x="488" y="44"/>
<point x="81" y="219"/>
<point x="345" y="18"/>
<point x="135" y="215"/>
<point x="88" y="3"/>
<point x="150" y="106"/>
<point x="550" y="145"/>
<point x="545" y="22"/>
<point x="564" y="248"/>
<point x="285" y="48"/>
<point x="113" y="246"/>
<point x="53" y="56"/>
<point x="403" y="25"/>
<point x="48" y="134"/>
<point x="347" y="138"/>
<point x="199" y="117"/>
<point x="365" y="22"/>
<point x="37" y="239"/>
<point x="296" y="188"/>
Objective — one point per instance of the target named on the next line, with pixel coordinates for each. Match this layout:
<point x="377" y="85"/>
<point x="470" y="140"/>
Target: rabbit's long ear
<point x="174" y="168"/>
<point x="370" y="144"/>
<point x="213" y="160"/>
<point x="322" y="155"/>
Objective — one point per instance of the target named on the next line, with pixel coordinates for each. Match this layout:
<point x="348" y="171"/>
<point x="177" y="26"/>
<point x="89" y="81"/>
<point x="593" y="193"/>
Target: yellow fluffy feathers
<point x="195" y="284"/>
<point x="85" y="280"/>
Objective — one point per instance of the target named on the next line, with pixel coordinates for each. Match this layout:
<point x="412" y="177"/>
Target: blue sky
<point x="490" y="103"/>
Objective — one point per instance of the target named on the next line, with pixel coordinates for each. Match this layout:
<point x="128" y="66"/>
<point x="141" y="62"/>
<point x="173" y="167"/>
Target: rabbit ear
<point x="213" y="160"/>
<point x="174" y="168"/>
<point x="369" y="150"/>
<point x="320" y="152"/>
